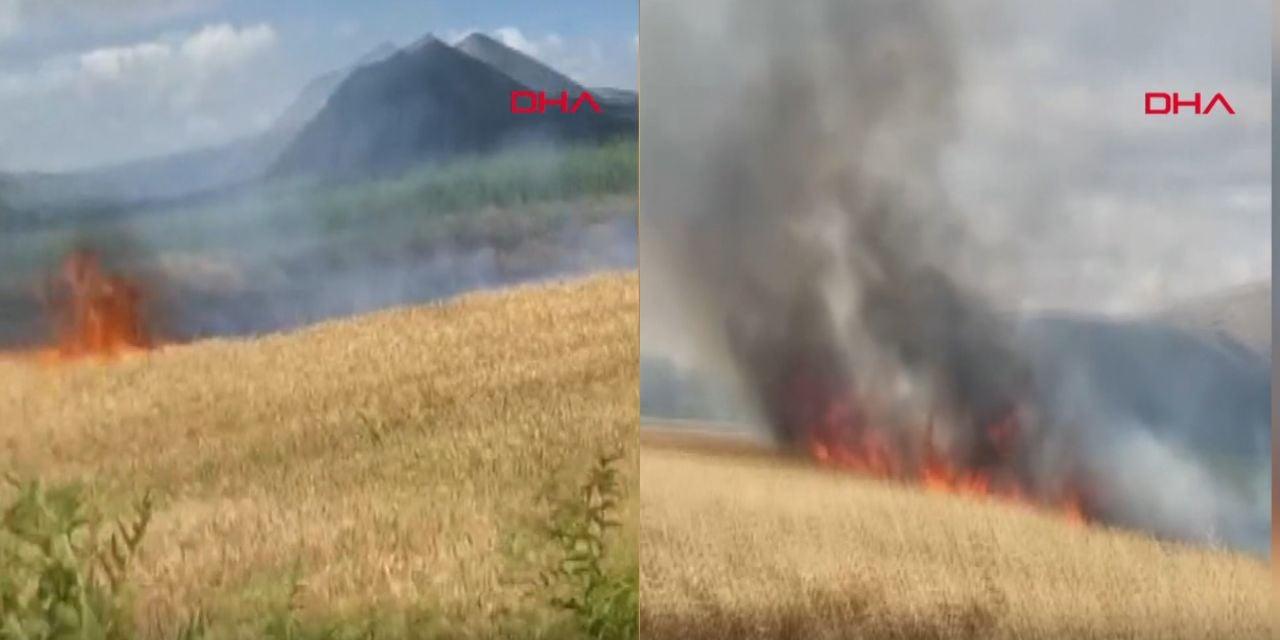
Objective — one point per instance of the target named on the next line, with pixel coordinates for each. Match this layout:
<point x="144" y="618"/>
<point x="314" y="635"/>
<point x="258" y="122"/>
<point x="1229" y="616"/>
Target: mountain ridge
<point x="259" y="156"/>
<point x="433" y="101"/>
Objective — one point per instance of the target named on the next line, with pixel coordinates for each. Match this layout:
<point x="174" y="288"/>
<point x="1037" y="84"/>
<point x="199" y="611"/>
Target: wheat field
<point x="376" y="463"/>
<point x="741" y="545"/>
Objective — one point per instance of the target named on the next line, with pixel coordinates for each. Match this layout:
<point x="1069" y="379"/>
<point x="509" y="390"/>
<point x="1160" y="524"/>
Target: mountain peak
<point x="429" y="103"/>
<point x="480" y="38"/>
<point x="429" y="41"/>
<point x="517" y="65"/>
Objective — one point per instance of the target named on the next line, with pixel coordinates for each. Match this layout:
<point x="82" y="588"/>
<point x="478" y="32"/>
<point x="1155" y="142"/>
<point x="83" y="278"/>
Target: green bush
<point x="602" y="598"/>
<point x="64" y="567"/>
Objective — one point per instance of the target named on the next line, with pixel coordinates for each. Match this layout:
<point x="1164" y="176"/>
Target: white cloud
<point x="145" y="98"/>
<point x="589" y="61"/>
<point x="223" y="44"/>
<point x="514" y="38"/>
<point x="116" y="62"/>
<point x="214" y="47"/>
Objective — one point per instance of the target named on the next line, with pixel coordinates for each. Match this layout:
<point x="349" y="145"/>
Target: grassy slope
<point x="387" y="457"/>
<point x="748" y="547"/>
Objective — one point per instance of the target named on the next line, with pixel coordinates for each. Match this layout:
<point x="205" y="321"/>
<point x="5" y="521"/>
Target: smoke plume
<point x="793" y="197"/>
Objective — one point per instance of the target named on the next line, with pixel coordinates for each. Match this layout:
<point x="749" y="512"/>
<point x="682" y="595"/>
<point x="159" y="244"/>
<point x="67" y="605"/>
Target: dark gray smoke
<point x="824" y="193"/>
<point x="793" y="195"/>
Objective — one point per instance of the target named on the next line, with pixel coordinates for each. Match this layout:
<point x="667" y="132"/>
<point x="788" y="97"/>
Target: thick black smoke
<point x="815" y="233"/>
<point x="792" y="192"/>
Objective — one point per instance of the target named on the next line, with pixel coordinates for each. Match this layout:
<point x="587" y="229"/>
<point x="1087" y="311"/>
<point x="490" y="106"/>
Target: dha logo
<point x="538" y="102"/>
<point x="1160" y="104"/>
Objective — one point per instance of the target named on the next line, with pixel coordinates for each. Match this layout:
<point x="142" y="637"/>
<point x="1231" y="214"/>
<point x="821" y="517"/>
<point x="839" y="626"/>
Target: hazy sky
<point x="87" y="82"/>
<point x="1076" y="199"/>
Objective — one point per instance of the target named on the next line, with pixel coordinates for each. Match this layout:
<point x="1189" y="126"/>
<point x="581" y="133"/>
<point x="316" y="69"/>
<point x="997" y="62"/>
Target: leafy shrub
<point x="603" y="599"/>
<point x="64" y="567"/>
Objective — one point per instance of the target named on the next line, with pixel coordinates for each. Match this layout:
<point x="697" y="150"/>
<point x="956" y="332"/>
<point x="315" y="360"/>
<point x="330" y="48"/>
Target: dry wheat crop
<point x="385" y="458"/>
<point x="745" y="546"/>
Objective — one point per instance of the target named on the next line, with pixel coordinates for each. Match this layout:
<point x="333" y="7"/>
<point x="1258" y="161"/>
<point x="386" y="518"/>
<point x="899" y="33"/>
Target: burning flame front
<point x="93" y="313"/>
<point x="836" y="429"/>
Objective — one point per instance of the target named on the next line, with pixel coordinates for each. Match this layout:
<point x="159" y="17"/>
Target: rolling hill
<point x="388" y="459"/>
<point x="1205" y="391"/>
<point x="737" y="543"/>
<point x="1241" y="313"/>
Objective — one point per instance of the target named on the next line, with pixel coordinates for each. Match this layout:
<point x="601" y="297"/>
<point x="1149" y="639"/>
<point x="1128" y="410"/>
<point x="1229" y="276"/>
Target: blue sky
<point x="82" y="84"/>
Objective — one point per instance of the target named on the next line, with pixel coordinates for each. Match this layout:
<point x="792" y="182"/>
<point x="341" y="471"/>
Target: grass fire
<point x="840" y="432"/>
<point x="276" y="479"/>
<point x="89" y="311"/>
<point x="821" y="265"/>
<point x="93" y="312"/>
<point x="824" y="245"/>
<point x="819" y="409"/>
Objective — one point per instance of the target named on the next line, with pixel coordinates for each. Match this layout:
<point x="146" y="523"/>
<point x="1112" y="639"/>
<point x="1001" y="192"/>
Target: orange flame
<point x="95" y="314"/>
<point x="936" y="475"/>
<point x="841" y="436"/>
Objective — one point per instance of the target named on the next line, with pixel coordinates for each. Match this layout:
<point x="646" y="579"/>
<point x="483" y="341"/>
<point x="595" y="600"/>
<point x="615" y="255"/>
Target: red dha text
<point x="1170" y="103"/>
<point x="537" y="102"/>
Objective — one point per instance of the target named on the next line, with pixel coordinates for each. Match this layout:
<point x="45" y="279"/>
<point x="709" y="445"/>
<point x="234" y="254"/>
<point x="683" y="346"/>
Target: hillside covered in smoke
<point x="400" y="178"/>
